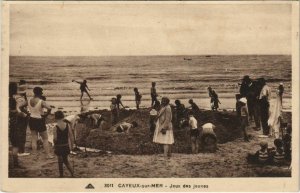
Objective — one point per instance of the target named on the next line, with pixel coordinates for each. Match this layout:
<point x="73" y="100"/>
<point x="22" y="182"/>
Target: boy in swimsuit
<point x="63" y="140"/>
<point x="83" y="88"/>
<point x="138" y="98"/>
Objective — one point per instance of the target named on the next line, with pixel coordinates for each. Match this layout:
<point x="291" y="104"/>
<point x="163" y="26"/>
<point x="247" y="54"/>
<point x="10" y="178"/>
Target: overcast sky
<point x="96" y="30"/>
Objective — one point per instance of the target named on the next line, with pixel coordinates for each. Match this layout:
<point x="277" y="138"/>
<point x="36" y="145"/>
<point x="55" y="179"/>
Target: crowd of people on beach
<point x="253" y="104"/>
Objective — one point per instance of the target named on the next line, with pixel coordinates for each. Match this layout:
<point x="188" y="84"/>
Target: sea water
<point x="177" y="77"/>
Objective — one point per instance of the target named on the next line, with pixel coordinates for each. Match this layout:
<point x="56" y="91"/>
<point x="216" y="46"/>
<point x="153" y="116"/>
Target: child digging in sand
<point x="208" y="137"/>
<point x="194" y="133"/>
<point x="63" y="140"/>
<point x="83" y="88"/>
<point x="125" y="127"/>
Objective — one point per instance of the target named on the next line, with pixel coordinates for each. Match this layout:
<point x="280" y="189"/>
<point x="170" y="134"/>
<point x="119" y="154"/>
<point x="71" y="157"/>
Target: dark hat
<point x="278" y="142"/>
<point x="59" y="115"/>
<point x="37" y="90"/>
<point x="245" y="78"/>
<point x="22" y="82"/>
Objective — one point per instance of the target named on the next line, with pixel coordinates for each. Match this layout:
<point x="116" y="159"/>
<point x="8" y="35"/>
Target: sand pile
<point x="138" y="141"/>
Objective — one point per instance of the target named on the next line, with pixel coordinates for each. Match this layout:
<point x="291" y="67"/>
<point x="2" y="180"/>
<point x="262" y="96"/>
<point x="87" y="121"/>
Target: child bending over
<point x="125" y="127"/>
<point x="194" y="132"/>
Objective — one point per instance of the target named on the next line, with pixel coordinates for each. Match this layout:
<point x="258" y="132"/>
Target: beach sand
<point x="134" y="155"/>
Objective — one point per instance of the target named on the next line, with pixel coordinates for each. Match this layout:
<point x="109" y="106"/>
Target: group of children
<point x="203" y="136"/>
<point x="278" y="155"/>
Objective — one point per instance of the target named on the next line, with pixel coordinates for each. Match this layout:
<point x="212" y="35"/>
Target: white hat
<point x="243" y="100"/>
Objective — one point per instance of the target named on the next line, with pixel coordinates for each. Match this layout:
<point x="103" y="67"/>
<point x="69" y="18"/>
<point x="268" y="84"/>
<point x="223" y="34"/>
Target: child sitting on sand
<point x="63" y="140"/>
<point x="194" y="133"/>
<point x="277" y="154"/>
<point x="125" y="127"/>
<point x="287" y="142"/>
<point x="83" y="88"/>
<point x="261" y="156"/>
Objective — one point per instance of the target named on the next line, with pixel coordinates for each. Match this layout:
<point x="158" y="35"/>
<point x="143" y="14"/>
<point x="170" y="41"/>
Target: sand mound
<point x="138" y="141"/>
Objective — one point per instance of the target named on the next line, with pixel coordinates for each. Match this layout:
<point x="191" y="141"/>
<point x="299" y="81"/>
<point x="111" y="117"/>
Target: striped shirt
<point x="263" y="156"/>
<point x="278" y="157"/>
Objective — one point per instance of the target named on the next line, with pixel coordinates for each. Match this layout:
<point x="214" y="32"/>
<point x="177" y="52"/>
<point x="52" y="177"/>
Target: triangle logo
<point x="89" y="186"/>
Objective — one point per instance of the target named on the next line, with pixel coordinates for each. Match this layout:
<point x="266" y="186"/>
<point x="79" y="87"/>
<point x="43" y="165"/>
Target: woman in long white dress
<point x="164" y="130"/>
<point x="276" y="114"/>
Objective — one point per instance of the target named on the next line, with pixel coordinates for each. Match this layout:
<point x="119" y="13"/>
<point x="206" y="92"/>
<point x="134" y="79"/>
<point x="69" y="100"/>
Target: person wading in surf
<point x="83" y="88"/>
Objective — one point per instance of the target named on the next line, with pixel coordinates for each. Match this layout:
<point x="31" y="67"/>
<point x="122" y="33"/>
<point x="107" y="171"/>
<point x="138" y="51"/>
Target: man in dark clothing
<point x="180" y="112"/>
<point x="253" y="98"/>
<point x="244" y="89"/>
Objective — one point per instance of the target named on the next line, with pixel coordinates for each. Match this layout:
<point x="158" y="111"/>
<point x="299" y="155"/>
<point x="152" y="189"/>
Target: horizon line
<point x="151" y="55"/>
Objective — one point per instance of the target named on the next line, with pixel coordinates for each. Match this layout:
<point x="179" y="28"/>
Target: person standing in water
<point x="83" y="88"/>
<point x="153" y="94"/>
<point x="114" y="111"/>
<point x="138" y="98"/>
<point x="214" y="99"/>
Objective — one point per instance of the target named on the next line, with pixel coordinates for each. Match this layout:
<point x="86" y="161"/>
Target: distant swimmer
<point x="83" y="88"/>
